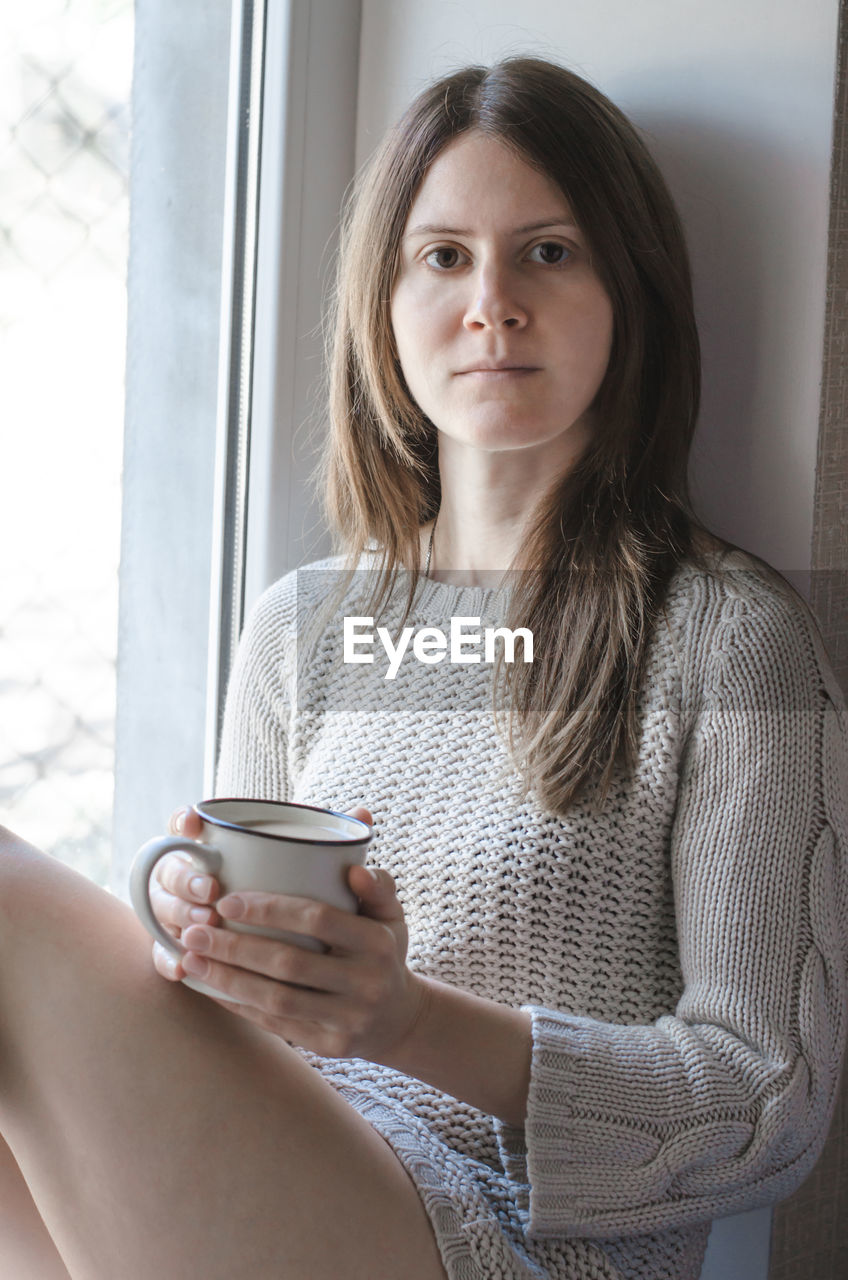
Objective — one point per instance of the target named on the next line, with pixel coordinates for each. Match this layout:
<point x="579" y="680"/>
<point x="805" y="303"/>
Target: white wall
<point x="737" y="99"/>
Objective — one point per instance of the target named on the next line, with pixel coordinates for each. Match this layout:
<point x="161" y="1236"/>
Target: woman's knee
<point x="32" y="883"/>
<point x="18" y="864"/>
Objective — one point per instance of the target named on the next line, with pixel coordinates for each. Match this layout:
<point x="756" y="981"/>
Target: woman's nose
<point x="494" y="302"/>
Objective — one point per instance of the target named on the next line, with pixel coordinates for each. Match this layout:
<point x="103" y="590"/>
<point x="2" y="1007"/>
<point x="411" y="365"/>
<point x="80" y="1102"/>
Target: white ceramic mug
<point x="259" y="844"/>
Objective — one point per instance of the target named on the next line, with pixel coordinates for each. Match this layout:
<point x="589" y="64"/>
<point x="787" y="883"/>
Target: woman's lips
<point x="498" y="375"/>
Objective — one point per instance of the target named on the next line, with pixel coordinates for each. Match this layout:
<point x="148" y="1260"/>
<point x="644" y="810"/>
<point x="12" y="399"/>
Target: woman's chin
<point x="511" y="436"/>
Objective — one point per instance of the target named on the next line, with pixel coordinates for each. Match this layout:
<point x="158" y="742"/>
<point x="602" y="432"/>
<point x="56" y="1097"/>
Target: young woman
<point x="595" y="994"/>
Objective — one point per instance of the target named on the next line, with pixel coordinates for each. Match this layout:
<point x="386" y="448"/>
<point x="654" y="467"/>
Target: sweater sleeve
<point x="723" y="1105"/>
<point x="253" y="752"/>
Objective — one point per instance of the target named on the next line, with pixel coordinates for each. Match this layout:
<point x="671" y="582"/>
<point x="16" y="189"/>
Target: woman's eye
<point x="443" y="258"/>
<point x="552" y="253"/>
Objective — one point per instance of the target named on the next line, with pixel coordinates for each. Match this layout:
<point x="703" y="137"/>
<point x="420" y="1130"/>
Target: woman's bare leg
<point x="159" y="1134"/>
<point x="26" y="1249"/>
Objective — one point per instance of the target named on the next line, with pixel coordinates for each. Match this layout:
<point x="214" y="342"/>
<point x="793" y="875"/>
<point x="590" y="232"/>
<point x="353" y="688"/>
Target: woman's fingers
<point x="377" y="893"/>
<point x="178" y="895"/>
<point x="340" y="930"/>
<point x="268" y="957"/>
<point x="180" y="877"/>
<point x="176" y="913"/>
<point x="277" y="1000"/>
<point x="167" y="964"/>
<point x="185" y="822"/>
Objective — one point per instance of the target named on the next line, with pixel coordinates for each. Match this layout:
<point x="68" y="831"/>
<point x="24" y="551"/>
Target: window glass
<point x="64" y="116"/>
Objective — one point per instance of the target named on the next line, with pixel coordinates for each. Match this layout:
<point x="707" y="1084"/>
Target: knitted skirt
<point x="478" y="1214"/>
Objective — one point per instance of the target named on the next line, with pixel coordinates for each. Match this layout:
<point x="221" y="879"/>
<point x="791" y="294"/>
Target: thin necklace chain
<point x="430" y="548"/>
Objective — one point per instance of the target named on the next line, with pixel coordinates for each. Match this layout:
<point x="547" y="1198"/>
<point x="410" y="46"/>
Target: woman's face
<point x="502" y="326"/>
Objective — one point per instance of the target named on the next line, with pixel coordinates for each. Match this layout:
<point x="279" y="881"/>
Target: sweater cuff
<point x="512" y="1149"/>
<point x="533" y="1157"/>
<point x="549" y="1129"/>
<point x="556" y="1163"/>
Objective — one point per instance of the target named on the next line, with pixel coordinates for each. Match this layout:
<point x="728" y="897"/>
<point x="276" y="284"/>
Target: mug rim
<point x="342" y="841"/>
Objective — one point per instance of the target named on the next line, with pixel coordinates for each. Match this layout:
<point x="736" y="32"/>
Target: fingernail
<point x="197" y="939"/>
<point x="195" y="964"/>
<point x="200" y="886"/>
<point x="201" y="915"/>
<point x="231" y="908"/>
<point x="179" y="820"/>
<point x="375" y="875"/>
<point x="166" y="961"/>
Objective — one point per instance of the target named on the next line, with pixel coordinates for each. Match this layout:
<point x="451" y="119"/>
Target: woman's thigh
<point x="160" y="1134"/>
<point x="26" y="1249"/>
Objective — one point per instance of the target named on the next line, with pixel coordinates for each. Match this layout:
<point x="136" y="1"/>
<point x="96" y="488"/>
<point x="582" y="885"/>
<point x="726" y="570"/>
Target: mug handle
<point x="202" y="855"/>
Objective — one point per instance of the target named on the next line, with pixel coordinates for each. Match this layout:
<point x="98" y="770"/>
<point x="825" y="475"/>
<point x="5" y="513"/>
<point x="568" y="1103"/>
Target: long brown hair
<point x="604" y="543"/>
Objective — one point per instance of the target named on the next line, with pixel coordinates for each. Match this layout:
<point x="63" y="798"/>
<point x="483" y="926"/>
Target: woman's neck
<point x="488" y="501"/>
<point x="473" y="544"/>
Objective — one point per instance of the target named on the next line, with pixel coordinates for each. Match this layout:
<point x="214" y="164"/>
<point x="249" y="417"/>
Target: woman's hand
<point x="180" y="894"/>
<point x="357" y="999"/>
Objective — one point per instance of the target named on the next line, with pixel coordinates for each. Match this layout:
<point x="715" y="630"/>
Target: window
<point x="243" y="509"/>
<point x="64" y="100"/>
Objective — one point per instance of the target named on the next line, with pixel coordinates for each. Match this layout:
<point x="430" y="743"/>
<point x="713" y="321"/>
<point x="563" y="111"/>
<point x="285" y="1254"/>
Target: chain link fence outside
<point x="65" y="76"/>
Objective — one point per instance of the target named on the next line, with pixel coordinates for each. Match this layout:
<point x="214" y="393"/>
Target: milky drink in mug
<point x="265" y="845"/>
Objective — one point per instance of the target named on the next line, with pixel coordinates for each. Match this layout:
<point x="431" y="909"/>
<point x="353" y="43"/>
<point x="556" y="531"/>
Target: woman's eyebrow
<point x="431" y="228"/>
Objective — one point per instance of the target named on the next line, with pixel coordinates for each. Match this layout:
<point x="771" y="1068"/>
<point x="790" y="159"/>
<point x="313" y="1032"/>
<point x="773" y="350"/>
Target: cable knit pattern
<point x="683" y="955"/>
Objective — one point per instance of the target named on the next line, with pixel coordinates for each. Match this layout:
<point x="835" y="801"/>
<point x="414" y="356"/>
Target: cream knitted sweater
<point x="683" y="954"/>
